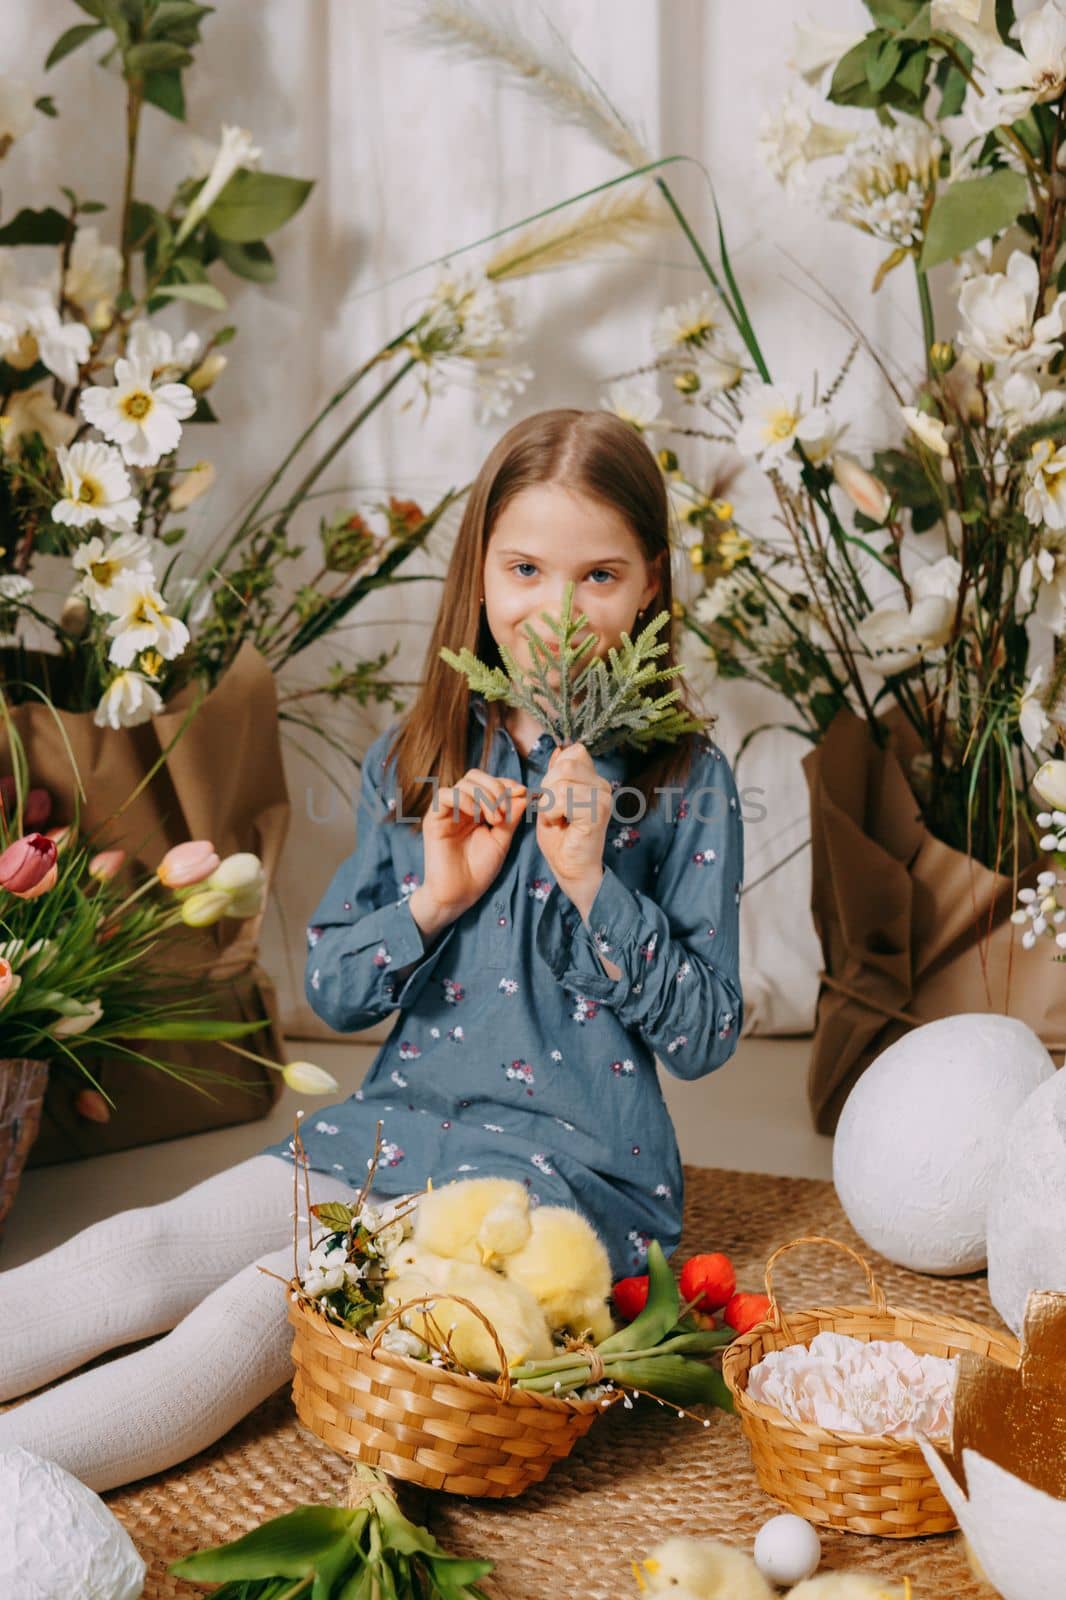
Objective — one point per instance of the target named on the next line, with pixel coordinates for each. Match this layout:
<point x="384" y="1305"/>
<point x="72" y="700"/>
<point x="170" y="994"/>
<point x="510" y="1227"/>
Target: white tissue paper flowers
<point x="851" y="1387"/>
<point x="58" y="1539"/>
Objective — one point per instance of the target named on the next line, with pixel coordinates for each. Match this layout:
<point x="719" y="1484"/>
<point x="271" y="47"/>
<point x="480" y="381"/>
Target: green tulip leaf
<point x="288" y="1546"/>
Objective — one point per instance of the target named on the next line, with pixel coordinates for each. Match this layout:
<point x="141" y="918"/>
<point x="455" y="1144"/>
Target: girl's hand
<point x="466" y="839"/>
<point x="572" y="833"/>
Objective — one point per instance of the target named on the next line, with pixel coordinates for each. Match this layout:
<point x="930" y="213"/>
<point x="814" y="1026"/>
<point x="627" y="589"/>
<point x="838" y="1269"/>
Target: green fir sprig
<point x="598" y="703"/>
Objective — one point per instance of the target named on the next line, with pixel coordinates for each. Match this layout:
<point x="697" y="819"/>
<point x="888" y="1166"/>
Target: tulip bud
<point x="9" y="981"/>
<point x="306" y="1078"/>
<point x="191" y="485"/>
<point x="91" y="1105"/>
<point x="942" y="356"/>
<point x="74" y="617"/>
<point x="106" y="865"/>
<point x="864" y="491"/>
<point x="38" y="809"/>
<point x="61" y="837"/>
<point x="205" y="907"/>
<point x="1049" y="784"/>
<point x="187" y="863"/>
<point x="202" y="377"/>
<point x="79" y="1020"/>
<point x="27" y="865"/>
<point x="240" y="871"/>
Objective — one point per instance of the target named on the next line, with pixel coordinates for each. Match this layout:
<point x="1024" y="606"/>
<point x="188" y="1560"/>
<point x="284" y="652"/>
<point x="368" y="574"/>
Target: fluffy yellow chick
<point x="567" y="1270"/>
<point x="849" y="1586"/>
<point x="516" y="1316"/>
<point x="703" y="1569"/>
<point x="474" y="1219"/>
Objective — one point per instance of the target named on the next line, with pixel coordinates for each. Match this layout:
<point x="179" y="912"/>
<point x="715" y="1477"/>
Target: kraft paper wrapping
<point x="223" y="781"/>
<point x="911" y="930"/>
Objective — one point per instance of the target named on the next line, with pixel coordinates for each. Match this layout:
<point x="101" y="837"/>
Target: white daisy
<point x="637" y="403"/>
<point x="772" y="421"/>
<point x="96" y="488"/>
<point x="103" y="567"/>
<point x="689" y="325"/>
<point x="144" y="422"/>
<point x="141" y="622"/>
<point x="128" y="700"/>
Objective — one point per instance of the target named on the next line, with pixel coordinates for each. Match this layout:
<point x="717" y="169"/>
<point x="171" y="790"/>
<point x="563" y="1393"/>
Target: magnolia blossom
<point x="815" y="48"/>
<point x="94" y="276"/>
<point x="236" y="150"/>
<point x="1033" y="720"/>
<point x="1045" y="496"/>
<point x="96" y="488"/>
<point x="16" y="110"/>
<point x="31" y="328"/>
<point x="1017" y="401"/>
<point x="999" y="312"/>
<point x="897" y="638"/>
<point x="887" y="180"/>
<point x="1043" y="577"/>
<point x="1033" y="77"/>
<point x="637" y="403"/>
<point x="689" y="325"/>
<point x="31" y="411"/>
<point x="930" y="430"/>
<point x="789" y="140"/>
<point x="141" y="622"/>
<point x="144" y="422"/>
<point x="774" y="420"/>
<point x="128" y="700"/>
<point x="103" y="569"/>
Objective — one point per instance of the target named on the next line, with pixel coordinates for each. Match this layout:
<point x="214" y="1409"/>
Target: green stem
<point x="926" y="304"/>
<point x="134" y="102"/>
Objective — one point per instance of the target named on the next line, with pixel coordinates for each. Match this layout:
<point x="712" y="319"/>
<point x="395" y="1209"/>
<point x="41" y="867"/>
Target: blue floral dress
<point x="514" y="1053"/>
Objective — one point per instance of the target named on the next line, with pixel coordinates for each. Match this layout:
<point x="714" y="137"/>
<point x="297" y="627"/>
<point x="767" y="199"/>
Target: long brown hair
<point x="598" y="454"/>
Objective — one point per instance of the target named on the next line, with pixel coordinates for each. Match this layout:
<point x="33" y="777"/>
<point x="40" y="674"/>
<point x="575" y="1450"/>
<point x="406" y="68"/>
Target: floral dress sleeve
<point x="366" y="955"/>
<point x="679" y="949"/>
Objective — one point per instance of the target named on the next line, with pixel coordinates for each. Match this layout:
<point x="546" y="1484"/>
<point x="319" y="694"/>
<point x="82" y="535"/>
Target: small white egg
<point x="787" y="1550"/>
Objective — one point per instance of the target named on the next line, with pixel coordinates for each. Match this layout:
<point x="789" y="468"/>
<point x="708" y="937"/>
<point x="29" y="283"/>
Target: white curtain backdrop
<point x="415" y="155"/>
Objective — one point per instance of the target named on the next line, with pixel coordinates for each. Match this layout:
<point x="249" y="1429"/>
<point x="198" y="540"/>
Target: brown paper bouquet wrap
<point x="911" y="930"/>
<point x="222" y="780"/>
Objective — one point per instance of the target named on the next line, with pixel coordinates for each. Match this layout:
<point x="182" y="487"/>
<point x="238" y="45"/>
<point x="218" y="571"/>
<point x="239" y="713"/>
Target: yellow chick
<point x="474" y="1219"/>
<point x="516" y="1316"/>
<point x="702" y="1569"/>
<point x="849" y="1586"/>
<point x="566" y="1268"/>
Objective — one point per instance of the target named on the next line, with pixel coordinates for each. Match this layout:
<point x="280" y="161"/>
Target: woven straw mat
<point x="638" y="1476"/>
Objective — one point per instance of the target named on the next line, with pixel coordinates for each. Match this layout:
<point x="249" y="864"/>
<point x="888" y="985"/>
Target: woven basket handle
<point x="503" y="1383"/>
<point x="877" y="1294"/>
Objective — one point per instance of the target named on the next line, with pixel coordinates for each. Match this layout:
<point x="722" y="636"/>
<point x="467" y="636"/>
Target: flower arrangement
<point x="599" y="704"/>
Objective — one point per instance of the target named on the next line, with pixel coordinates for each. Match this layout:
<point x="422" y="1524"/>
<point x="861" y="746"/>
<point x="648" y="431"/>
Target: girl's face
<point x="547" y="536"/>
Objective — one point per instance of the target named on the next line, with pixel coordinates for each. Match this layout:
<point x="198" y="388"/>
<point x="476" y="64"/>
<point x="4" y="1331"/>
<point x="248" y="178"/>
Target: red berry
<point x="630" y="1296"/>
<point x="709" y="1280"/>
<point x="746" y="1311"/>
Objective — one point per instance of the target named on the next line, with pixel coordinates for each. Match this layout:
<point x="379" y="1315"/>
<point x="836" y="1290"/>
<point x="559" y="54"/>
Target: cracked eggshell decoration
<point x="1005" y="1475"/>
<point x="58" y="1539"/>
<point x="922" y="1134"/>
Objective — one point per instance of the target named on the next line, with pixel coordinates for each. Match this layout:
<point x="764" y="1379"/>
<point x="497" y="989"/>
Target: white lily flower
<point x="141" y="622"/>
<point x="144" y="422"/>
<point x="1017" y="401"/>
<point x="999" y="316"/>
<point x="31" y="411"/>
<point x="236" y="150"/>
<point x="167" y="358"/>
<point x="94" y="276"/>
<point x="929" y="430"/>
<point x="689" y="325"/>
<point x="1035" y="76"/>
<point x="789" y="140"/>
<point x="1043" y="579"/>
<point x="636" y="402"/>
<point x="1045" y="496"/>
<point x="773" y="420"/>
<point x="16" y="110"/>
<point x="1033" y="720"/>
<point x="128" y="700"/>
<point x="104" y="567"/>
<point x="815" y="48"/>
<point x="96" y="488"/>
<point x="898" y="638"/>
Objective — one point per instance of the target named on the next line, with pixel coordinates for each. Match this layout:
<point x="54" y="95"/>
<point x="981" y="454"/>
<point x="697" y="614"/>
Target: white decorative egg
<point x="58" y="1539"/>
<point x="787" y="1550"/>
<point x="921" y="1136"/>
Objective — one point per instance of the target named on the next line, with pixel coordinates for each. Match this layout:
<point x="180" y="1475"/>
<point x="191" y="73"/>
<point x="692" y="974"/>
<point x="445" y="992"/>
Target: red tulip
<point x="26" y="865"/>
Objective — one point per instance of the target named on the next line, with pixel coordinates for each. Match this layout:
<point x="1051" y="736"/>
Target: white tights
<point x="189" y="1265"/>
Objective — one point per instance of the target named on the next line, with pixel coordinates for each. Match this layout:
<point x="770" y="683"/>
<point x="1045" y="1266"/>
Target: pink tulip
<point x="90" y="1104"/>
<point x="60" y="836"/>
<point x="26" y="865"/>
<point x="9" y="980"/>
<point x="47" y="882"/>
<point x="187" y="863"/>
<point x="38" y="808"/>
<point x="107" y="865"/>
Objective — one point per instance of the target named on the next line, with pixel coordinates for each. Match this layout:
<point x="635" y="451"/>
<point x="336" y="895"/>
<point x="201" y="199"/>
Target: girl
<point x="546" y="922"/>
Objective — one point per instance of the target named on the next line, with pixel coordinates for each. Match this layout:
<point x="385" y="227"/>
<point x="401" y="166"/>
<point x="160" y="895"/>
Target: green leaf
<point x="676" y="1378"/>
<point x="894" y="13"/>
<point x="35" y="227"/>
<point x="71" y="40"/>
<point x="164" y="89"/>
<point x="334" y="1214"/>
<point x="849" y="75"/>
<point x="89" y="208"/>
<point x="660" y="1310"/>
<point x="158" y="56"/>
<point x="285" y="1547"/>
<point x="254" y="204"/>
<point x="1024" y="440"/>
<point x="952" y="85"/>
<point x="171" y="17"/>
<point x="252" y="260"/>
<point x="911" y="75"/>
<point x="969" y="211"/>
<point x="201" y="294"/>
<point x="1005" y="20"/>
<point x="881" y="66"/>
<point x="46" y="105"/>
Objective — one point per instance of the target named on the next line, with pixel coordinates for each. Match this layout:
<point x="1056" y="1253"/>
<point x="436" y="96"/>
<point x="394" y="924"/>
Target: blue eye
<point x="518" y="564"/>
<point x="605" y="573"/>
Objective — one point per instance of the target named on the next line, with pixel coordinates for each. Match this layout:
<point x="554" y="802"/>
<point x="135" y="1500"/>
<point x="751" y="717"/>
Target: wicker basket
<point x="22" y="1085"/>
<point x="856" y="1482"/>
<point x="443" y="1430"/>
